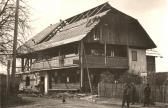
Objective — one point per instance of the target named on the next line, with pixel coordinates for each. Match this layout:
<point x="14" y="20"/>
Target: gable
<point x="121" y="29"/>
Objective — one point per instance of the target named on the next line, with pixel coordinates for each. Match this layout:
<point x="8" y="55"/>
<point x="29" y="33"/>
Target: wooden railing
<point x="72" y="60"/>
<point x="56" y="62"/>
<point x="102" y="62"/>
<point x="65" y="86"/>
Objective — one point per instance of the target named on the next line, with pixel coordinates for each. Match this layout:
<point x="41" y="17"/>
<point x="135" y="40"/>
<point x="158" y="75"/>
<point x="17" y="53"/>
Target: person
<point x="147" y="92"/>
<point x="63" y="98"/>
<point x="41" y="87"/>
<point x="133" y="93"/>
<point x="126" y="95"/>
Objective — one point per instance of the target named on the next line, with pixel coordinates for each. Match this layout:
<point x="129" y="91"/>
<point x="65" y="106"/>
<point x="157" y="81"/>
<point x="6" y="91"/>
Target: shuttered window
<point x="134" y="55"/>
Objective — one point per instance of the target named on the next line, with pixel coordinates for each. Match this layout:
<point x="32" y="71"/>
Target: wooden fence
<point x="158" y="94"/>
<point x="3" y="90"/>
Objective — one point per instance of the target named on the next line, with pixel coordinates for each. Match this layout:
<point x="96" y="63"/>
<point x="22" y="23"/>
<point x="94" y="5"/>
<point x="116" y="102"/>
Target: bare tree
<point x="7" y="13"/>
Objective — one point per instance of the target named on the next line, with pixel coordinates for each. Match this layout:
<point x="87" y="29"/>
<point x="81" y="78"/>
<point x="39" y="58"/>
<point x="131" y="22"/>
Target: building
<point x="73" y="53"/>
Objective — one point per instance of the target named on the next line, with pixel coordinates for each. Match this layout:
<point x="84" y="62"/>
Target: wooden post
<point x="60" y="59"/>
<point x="105" y="42"/>
<point x="46" y="83"/>
<point x="28" y="63"/>
<point x="8" y="81"/>
<point x="127" y="46"/>
<point x="22" y="64"/>
<point x="105" y="54"/>
<point x="81" y="64"/>
<point x="88" y="73"/>
<point x="98" y="89"/>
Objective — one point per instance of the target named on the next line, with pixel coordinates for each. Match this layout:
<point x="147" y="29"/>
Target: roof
<point x="153" y="52"/>
<point x="70" y="33"/>
<point x="41" y="35"/>
<point x="77" y="28"/>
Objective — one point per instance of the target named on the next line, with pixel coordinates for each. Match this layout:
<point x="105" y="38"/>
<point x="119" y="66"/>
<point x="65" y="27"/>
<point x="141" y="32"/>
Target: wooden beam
<point x="81" y="64"/>
<point x="22" y="64"/>
<point x="105" y="53"/>
<point x="88" y="73"/>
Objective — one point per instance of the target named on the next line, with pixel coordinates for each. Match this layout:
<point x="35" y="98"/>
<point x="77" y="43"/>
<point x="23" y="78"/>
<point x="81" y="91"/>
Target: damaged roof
<point x="69" y="33"/>
<point x="75" y="29"/>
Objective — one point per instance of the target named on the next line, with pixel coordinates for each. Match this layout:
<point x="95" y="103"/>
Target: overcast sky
<point x="152" y="15"/>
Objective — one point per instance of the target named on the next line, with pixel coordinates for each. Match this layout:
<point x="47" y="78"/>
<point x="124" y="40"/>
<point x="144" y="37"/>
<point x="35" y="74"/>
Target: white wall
<point x="3" y="69"/>
<point x="138" y="66"/>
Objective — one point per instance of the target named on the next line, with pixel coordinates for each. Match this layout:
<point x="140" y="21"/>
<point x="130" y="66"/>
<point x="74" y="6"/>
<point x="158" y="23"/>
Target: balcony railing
<point x="56" y="62"/>
<point x="108" y="62"/>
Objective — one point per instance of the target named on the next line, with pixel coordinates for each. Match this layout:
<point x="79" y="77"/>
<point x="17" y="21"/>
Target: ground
<point x="45" y="102"/>
<point x="38" y="102"/>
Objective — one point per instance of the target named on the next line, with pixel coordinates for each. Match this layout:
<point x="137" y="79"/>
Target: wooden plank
<point x="112" y="62"/>
<point x="55" y="63"/>
<point x="81" y="63"/>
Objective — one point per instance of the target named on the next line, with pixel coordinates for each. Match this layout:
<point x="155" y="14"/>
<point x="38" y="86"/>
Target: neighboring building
<point x="151" y="54"/>
<point x="149" y="75"/>
<point x="72" y="54"/>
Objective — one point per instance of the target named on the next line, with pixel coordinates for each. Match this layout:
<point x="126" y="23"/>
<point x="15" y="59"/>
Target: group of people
<point x="129" y="95"/>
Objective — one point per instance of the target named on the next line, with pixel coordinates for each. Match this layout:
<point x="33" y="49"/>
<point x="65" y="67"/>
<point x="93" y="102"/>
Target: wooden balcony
<point x="110" y="62"/>
<point x="56" y="63"/>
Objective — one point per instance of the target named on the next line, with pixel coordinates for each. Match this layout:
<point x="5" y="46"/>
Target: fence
<point x="158" y="94"/>
<point x="3" y="90"/>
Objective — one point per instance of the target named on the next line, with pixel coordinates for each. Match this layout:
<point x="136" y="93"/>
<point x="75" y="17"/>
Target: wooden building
<point x="73" y="53"/>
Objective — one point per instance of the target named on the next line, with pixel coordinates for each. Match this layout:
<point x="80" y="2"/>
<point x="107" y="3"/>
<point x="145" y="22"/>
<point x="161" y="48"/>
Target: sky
<point x="152" y="15"/>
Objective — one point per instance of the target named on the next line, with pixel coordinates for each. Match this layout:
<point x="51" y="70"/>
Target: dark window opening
<point x="116" y="51"/>
<point x="65" y="77"/>
<point x="95" y="49"/>
<point x="27" y="81"/>
<point x="96" y="33"/>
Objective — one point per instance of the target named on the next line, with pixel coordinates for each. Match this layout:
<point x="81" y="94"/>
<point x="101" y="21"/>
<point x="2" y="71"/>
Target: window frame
<point x="97" y="33"/>
<point x="134" y="55"/>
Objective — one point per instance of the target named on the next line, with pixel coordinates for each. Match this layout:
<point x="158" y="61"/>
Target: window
<point x="97" y="34"/>
<point x="27" y="81"/>
<point x="110" y="53"/>
<point x="134" y="55"/>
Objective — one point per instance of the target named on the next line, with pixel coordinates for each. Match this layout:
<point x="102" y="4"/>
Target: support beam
<point x="105" y="53"/>
<point x="46" y="83"/>
<point x="22" y="64"/>
<point x="28" y="62"/>
<point x="81" y="64"/>
<point x="88" y="73"/>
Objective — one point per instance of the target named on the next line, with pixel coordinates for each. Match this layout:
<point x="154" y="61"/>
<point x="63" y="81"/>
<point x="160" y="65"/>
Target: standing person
<point x="41" y="86"/>
<point x="126" y="95"/>
<point x="147" y="92"/>
<point x="133" y="93"/>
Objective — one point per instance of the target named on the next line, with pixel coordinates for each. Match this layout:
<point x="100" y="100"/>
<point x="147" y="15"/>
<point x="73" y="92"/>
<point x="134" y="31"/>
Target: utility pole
<point x="8" y="80"/>
<point x="14" y="47"/>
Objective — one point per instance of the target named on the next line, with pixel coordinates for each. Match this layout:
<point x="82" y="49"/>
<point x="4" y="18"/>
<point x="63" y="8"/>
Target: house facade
<point x="72" y="54"/>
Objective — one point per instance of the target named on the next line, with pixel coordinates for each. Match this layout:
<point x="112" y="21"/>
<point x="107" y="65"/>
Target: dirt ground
<point x="47" y="102"/>
<point x="42" y="102"/>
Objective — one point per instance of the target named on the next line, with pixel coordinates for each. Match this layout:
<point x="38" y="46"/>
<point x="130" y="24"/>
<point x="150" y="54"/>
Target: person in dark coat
<point x="147" y="93"/>
<point x="133" y="93"/>
<point x="41" y="87"/>
<point x="126" y="95"/>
